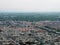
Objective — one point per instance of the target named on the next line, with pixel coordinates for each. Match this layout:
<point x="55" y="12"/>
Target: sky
<point x="30" y="5"/>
